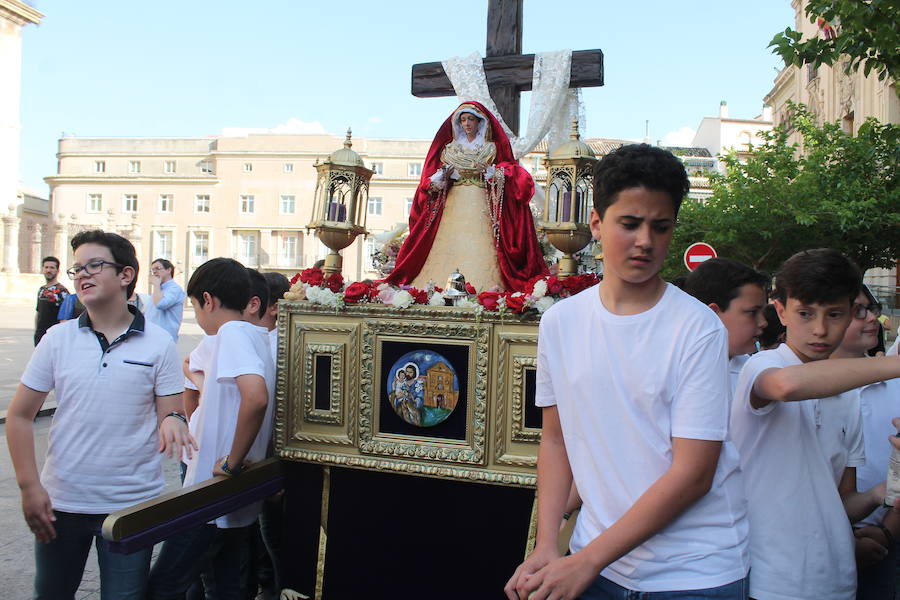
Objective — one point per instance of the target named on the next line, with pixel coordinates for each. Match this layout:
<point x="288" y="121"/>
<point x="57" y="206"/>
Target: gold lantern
<point x="569" y="199"/>
<point x="341" y="202"/>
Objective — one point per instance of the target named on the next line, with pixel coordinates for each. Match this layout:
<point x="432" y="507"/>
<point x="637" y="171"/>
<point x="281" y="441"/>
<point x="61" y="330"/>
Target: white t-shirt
<point x="879" y="403"/>
<point x="103" y="451"/>
<point x="198" y="359"/>
<point x="624" y="386"/>
<point x="801" y="543"/>
<point x="273" y="344"/>
<point x="239" y="348"/>
<point x="734" y="369"/>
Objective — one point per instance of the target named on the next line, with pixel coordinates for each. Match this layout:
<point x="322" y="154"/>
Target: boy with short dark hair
<point x="737" y="294"/>
<point x="232" y="425"/>
<point x="118" y="391"/>
<point x="633" y="384"/>
<point x="799" y="437"/>
<point x="278" y="287"/>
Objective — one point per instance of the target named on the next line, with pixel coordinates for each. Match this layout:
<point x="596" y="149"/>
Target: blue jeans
<point x="183" y="557"/>
<point x="59" y="564"/>
<point x="604" y="589"/>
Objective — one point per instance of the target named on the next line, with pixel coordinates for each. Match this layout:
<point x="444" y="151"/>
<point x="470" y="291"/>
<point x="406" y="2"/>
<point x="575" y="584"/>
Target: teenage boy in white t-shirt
<point x="737" y="294"/>
<point x="632" y="378"/>
<point x="233" y="428"/>
<point x="799" y="436"/>
<point x="118" y="392"/>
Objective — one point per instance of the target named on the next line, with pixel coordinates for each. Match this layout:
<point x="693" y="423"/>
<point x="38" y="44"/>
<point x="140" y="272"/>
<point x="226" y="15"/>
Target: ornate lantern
<point x="569" y="199"/>
<point x="341" y="202"/>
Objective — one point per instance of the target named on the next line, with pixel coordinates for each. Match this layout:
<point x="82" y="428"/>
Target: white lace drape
<point x="553" y="105"/>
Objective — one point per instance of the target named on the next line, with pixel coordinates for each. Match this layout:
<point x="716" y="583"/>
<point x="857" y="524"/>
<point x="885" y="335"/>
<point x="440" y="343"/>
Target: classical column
<point x="34" y="230"/>
<point x="11" y="241"/>
<point x="60" y="239"/>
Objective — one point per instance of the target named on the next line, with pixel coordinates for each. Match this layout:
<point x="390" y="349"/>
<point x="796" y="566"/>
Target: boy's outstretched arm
<point x="821" y="379"/>
<point x="688" y="479"/>
<point x="36" y="504"/>
<point x="554" y="481"/>
<point x="254" y="401"/>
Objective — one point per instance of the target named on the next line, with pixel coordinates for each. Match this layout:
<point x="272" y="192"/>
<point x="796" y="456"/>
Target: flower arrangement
<point x="540" y="293"/>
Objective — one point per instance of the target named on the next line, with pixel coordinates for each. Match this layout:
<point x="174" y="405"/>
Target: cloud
<point x="292" y="125"/>
<point x="680" y="137"/>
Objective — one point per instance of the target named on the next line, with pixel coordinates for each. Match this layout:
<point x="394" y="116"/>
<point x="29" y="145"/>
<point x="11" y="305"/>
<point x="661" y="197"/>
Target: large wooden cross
<point x="508" y="71"/>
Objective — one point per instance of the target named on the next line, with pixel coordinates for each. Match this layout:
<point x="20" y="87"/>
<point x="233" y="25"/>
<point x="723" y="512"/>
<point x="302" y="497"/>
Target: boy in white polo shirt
<point x="233" y="425"/>
<point x="632" y="378"/>
<point x="118" y="390"/>
<point x="799" y="436"/>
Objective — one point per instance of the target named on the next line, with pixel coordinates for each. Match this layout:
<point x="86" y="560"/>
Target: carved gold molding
<point x="512" y="373"/>
<point x="333" y="415"/>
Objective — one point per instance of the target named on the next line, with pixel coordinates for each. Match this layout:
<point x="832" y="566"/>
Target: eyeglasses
<point x="91" y="268"/>
<point x="860" y="310"/>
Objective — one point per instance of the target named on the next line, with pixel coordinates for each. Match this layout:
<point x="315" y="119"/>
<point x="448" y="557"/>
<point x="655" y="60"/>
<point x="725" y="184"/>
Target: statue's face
<point x="469" y="124"/>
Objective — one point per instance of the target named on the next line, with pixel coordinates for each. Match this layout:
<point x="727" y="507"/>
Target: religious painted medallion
<point x="423" y="388"/>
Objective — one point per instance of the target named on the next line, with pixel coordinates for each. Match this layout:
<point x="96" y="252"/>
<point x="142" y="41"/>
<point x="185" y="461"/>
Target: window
<point x="166" y="203"/>
<point x="414" y="169"/>
<point x="248" y="167"/>
<point x="206" y="166"/>
<point x="99" y="166"/>
<point x="288" y="204"/>
<point x="95" y="202"/>
<point x="246" y="242"/>
<point x="378" y="167"/>
<point x="248" y="204"/>
<point x="201" y="203"/>
<point x="129" y="203"/>
<point x="374" y="205"/>
<point x="134" y="166"/>
<point x="288" y="248"/>
<point x="288" y="167"/>
<point x="200" y="247"/>
<point x="409" y="203"/>
<point x="163" y="245"/>
<point x="370" y="250"/>
<point x="169" y="166"/>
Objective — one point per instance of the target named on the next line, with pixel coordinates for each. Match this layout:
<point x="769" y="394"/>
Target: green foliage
<point x="868" y="33"/>
<point x="841" y="193"/>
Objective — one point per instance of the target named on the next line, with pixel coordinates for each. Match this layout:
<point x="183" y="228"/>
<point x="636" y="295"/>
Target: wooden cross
<point x="508" y="71"/>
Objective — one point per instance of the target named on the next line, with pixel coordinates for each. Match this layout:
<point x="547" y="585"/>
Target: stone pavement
<point x="16" y="541"/>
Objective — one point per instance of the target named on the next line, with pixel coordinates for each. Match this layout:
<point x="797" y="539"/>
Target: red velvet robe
<point x="518" y="252"/>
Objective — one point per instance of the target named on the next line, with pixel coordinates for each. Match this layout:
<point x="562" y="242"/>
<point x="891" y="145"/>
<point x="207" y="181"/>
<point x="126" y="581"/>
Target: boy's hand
<point x="38" y="512"/>
<point x="871" y="546"/>
<point x="217" y="470"/>
<point x="175" y="439"/>
<point x="536" y="561"/>
<point x="565" y="577"/>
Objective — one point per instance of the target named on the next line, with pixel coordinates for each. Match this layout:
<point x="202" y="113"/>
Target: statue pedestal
<point x="405" y="510"/>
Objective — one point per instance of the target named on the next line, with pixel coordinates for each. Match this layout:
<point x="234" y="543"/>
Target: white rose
<point x="402" y="299"/>
<point x="540" y="289"/>
<point x="466" y="303"/>
<point x="544" y="303"/>
<point x="436" y="299"/>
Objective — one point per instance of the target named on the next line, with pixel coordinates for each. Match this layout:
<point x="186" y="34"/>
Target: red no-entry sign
<point x="696" y="253"/>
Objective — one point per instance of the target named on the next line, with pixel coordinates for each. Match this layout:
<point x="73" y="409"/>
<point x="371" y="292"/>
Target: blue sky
<point x="193" y="68"/>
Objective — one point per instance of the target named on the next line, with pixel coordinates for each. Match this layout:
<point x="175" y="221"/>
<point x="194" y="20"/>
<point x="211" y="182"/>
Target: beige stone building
<point x="834" y="96"/>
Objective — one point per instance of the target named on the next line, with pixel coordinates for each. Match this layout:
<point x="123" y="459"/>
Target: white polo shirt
<point x="103" y="452"/>
<point x="801" y="543"/>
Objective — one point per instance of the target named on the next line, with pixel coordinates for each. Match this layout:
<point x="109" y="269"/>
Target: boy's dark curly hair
<point x="639" y="165"/>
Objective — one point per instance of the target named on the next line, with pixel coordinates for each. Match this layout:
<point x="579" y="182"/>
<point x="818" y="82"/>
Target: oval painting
<point x="423" y="388"/>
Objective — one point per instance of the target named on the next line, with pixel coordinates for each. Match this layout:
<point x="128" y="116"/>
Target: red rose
<point x="516" y="303"/>
<point x="355" y="292"/>
<point x="334" y="282"/>
<point x="554" y="286"/>
<point x="578" y="283"/>
<point x="489" y="300"/>
<point x="470" y="289"/>
<point x="373" y="292"/>
<point x="294" y="279"/>
<point x="312" y="276"/>
<point x="419" y="296"/>
<point x="529" y="286"/>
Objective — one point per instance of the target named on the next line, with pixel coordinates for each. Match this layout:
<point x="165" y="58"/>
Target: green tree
<point x="842" y="193"/>
<point x="868" y="33"/>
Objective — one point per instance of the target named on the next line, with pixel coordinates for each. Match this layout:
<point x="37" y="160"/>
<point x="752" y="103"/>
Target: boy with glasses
<point x="118" y="390"/>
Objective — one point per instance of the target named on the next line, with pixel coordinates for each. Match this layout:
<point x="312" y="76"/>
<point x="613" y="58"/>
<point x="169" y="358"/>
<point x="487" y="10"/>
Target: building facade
<point x="722" y="134"/>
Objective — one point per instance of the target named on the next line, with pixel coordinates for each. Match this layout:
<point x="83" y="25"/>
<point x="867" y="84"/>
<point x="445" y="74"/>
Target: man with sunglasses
<point x="118" y="387"/>
<point x="167" y="306"/>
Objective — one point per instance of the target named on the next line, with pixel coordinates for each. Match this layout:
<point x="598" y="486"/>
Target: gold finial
<point x="574" y="135"/>
<point x="347" y="142"/>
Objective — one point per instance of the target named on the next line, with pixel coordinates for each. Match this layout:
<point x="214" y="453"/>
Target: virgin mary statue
<point x="471" y="210"/>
